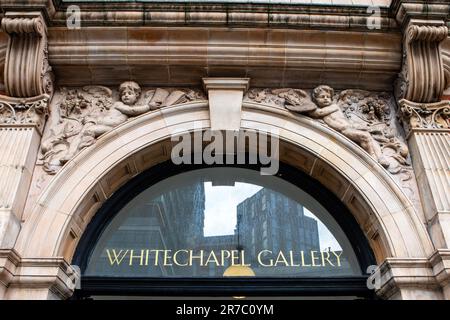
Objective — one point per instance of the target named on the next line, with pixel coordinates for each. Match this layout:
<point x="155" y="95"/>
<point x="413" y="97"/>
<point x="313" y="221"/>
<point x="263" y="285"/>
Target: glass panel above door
<point x="219" y="222"/>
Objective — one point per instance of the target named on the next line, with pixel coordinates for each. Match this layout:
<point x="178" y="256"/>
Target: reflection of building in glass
<point x="171" y="221"/>
<point x="174" y="221"/>
<point x="269" y="220"/>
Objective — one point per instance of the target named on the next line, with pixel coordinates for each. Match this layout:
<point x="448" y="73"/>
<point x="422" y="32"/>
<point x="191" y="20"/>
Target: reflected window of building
<point x="202" y="222"/>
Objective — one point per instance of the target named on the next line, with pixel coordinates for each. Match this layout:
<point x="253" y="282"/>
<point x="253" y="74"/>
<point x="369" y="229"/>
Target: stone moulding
<point x="182" y="55"/>
<point x="27" y="71"/>
<point x="226" y="14"/>
<point x="397" y="275"/>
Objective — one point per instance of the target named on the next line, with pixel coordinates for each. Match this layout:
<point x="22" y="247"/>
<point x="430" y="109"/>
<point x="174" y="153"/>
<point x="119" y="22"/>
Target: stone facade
<point x="363" y="111"/>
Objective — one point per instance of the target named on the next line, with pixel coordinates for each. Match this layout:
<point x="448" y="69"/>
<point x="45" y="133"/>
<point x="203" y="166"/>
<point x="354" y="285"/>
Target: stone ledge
<point x="405" y="10"/>
<point x="52" y="274"/>
<point x="9" y="260"/>
<point x="440" y="262"/>
<point x="228" y="14"/>
<point x="162" y="56"/>
<point x="398" y="275"/>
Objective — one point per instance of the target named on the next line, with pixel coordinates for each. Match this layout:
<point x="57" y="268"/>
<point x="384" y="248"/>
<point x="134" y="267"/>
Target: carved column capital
<point x="425" y="115"/>
<point x="24" y="112"/>
<point x="27" y="71"/>
<point x="422" y="78"/>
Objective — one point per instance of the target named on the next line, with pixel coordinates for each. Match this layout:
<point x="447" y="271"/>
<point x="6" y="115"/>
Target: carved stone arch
<point x="72" y="198"/>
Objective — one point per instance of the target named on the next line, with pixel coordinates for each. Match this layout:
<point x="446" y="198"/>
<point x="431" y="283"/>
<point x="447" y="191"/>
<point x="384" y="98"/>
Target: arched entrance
<point x="178" y="230"/>
<point x="384" y="214"/>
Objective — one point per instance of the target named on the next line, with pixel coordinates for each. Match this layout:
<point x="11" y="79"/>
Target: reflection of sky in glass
<point x="221" y="206"/>
<point x="221" y="209"/>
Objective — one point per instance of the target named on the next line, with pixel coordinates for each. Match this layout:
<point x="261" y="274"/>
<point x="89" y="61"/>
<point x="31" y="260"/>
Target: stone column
<point x="420" y="88"/>
<point x="428" y="130"/>
<point x="29" y="86"/>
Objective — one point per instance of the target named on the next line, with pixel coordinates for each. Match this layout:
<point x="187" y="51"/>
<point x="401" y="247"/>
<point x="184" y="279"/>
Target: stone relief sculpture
<point x="82" y="115"/>
<point x="333" y="116"/>
<point x="364" y="117"/>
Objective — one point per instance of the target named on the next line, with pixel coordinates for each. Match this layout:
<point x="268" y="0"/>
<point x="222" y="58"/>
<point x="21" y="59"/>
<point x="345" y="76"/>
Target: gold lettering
<point x="117" y="258"/>
<point x="302" y="253"/>
<point x="156" y="255"/>
<point x="225" y="254"/>
<point x="327" y="258"/>
<point x="260" y="261"/>
<point x="167" y="257"/>
<point x="314" y="258"/>
<point x="243" y="259"/>
<point x="291" y="255"/>
<point x="281" y="258"/>
<point x="175" y="258"/>
<point x="141" y="257"/>
<point x="234" y="257"/>
<point x="338" y="257"/>
<point x="211" y="256"/>
<point x="192" y="257"/>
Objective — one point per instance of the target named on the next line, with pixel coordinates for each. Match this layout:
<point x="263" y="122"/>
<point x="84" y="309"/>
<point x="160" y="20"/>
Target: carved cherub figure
<point x="333" y="116"/>
<point x="119" y="112"/>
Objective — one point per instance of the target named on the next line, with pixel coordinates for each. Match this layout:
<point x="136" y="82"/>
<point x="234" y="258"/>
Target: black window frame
<point x="352" y="286"/>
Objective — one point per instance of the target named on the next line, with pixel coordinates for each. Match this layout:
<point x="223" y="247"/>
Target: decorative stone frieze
<point x="422" y="78"/>
<point x="27" y="71"/>
<point x="364" y="117"/>
<point x="81" y="115"/>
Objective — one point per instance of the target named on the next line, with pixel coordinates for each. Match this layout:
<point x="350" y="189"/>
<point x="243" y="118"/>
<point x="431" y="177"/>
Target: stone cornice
<point x="314" y="16"/>
<point x="46" y="7"/>
<point x="405" y="10"/>
<point x="398" y="273"/>
<point x="440" y="261"/>
<point x="164" y="56"/>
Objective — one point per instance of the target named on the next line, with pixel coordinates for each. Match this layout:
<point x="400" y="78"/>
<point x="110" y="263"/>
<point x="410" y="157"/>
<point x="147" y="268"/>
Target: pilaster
<point x="29" y="86"/>
<point x="428" y="130"/>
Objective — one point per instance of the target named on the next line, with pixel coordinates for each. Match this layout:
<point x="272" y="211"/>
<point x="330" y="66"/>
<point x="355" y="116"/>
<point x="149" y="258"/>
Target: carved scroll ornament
<point x="27" y="71"/>
<point x="80" y="116"/>
<point x="422" y="78"/>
